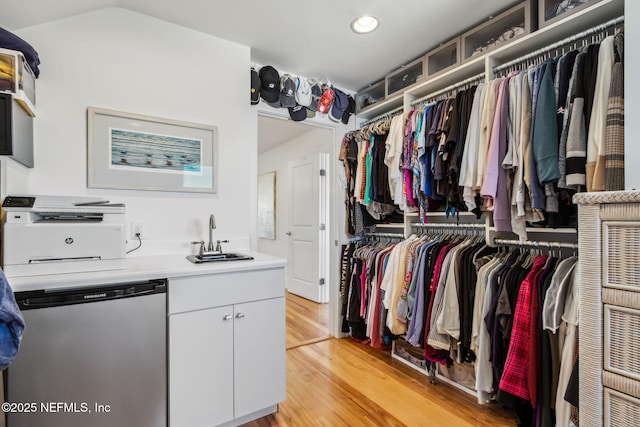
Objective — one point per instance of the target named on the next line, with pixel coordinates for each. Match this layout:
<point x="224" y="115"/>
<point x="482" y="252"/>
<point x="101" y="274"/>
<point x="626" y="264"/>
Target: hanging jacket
<point x="597" y="127"/>
<point x="11" y="323"/>
<point x="614" y="137"/>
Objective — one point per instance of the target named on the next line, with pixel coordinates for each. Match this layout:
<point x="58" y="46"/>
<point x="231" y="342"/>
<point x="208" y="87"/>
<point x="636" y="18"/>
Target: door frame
<point x="336" y="195"/>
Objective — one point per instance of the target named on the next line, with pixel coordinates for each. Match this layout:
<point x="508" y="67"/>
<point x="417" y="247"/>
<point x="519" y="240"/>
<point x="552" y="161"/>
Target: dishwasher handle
<point x="30" y="300"/>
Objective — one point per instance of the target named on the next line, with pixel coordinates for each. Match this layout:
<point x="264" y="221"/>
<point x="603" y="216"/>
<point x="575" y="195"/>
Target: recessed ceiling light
<point x="364" y="24"/>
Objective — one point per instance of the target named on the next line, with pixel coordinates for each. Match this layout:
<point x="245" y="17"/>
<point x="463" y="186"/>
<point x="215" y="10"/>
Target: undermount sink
<point x="217" y="257"/>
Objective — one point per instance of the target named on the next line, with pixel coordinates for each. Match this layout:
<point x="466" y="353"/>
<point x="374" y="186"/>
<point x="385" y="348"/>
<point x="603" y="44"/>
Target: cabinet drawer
<point x="214" y="290"/>
<point x="619" y="409"/>
<point x="622" y="341"/>
<point x="621" y="253"/>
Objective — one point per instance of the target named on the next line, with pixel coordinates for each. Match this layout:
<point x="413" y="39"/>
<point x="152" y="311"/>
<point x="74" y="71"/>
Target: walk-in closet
<point x="462" y="195"/>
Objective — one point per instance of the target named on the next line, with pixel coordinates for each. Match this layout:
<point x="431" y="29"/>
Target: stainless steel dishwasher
<point x="91" y="356"/>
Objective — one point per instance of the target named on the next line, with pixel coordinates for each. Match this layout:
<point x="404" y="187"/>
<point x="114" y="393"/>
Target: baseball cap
<point x="255" y="87"/>
<point x="298" y="113"/>
<point x="316" y="94"/>
<point x="303" y="91"/>
<point x="270" y="87"/>
<point x="287" y="91"/>
<point x="351" y="109"/>
<point x="340" y="104"/>
<point x="324" y="104"/>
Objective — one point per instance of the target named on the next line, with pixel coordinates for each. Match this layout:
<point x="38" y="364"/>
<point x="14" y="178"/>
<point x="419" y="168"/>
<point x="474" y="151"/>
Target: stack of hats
<point x="302" y="97"/>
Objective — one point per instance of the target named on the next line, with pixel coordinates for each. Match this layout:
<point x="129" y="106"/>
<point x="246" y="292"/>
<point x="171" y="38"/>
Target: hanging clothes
<point x="580" y="117"/>
<point x="516" y="147"/>
<point x="508" y="318"/>
<point x="614" y="134"/>
<point x="597" y="129"/>
<point x="368" y="200"/>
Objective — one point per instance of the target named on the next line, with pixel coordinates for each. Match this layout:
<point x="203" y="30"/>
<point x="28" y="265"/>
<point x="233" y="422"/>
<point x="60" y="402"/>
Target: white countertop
<point x="145" y="268"/>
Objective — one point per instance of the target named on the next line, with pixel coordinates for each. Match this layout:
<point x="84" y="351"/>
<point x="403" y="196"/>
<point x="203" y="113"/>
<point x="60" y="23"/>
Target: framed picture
<point x="267" y="205"/>
<point x="132" y="151"/>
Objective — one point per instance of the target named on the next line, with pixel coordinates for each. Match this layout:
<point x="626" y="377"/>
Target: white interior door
<point x="308" y="234"/>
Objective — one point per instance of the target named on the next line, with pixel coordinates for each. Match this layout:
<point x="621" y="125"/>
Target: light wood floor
<point x="307" y="321"/>
<point x="337" y="382"/>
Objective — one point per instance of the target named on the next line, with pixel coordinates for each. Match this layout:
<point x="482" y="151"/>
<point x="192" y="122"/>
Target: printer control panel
<point x="18" y="202"/>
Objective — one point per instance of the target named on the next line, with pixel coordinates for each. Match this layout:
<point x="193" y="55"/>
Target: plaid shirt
<point x="515" y="376"/>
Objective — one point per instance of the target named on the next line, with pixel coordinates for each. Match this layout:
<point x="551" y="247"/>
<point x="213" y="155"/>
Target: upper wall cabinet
<point x="16" y="131"/>
<point x="370" y="96"/>
<point x="405" y="76"/>
<point x="550" y="11"/>
<point x="443" y="58"/>
<point x="498" y="31"/>
<point x="468" y="55"/>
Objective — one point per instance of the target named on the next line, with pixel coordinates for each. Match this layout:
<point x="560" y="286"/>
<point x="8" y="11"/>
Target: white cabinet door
<point x="201" y="367"/>
<point x="260" y="355"/>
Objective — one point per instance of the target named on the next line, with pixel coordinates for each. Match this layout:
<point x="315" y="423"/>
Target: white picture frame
<point x="137" y="152"/>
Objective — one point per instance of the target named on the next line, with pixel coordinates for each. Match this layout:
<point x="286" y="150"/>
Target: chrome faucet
<point x="212" y="226"/>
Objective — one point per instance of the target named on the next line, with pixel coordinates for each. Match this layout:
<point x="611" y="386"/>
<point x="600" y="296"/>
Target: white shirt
<point x="392" y="158"/>
<point x="469" y="165"/>
<point x="570" y="317"/>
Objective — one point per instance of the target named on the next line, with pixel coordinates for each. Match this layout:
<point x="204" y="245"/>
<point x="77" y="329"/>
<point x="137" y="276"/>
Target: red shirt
<point x="515" y="376"/>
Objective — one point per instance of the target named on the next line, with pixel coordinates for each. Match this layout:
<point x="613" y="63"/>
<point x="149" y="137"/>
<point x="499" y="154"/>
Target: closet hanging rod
<point x="386" y="235"/>
<point x="447" y="225"/>
<point x="536" y="244"/>
<point x="477" y="78"/>
<point x="392" y="113"/>
<point x="569" y="40"/>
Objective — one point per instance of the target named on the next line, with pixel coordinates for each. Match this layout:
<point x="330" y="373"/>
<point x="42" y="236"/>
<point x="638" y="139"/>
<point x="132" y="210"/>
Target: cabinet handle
<point x="227" y="317"/>
<point x="239" y="315"/>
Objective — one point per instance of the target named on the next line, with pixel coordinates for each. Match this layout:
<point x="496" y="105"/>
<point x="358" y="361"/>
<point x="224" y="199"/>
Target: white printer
<point x="60" y="234"/>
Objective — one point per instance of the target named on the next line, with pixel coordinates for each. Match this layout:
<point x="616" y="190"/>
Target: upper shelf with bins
<point x="498" y="31"/>
<point x="381" y="107"/>
<point x="18" y="79"/>
<point x="566" y="26"/>
<point x="572" y="24"/>
<point x="598" y="13"/>
<point x="550" y="11"/>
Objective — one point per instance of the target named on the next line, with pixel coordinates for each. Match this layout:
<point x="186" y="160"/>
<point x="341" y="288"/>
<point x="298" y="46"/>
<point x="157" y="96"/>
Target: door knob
<point x="239" y="315"/>
<point x="288" y="233"/>
<point x="227" y="317"/>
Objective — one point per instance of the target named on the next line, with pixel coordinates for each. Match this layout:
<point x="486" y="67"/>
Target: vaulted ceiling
<point x="309" y="38"/>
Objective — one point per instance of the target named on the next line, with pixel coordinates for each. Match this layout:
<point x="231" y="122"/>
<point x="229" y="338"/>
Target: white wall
<point x="316" y="140"/>
<point x="632" y="94"/>
<point x="117" y="59"/>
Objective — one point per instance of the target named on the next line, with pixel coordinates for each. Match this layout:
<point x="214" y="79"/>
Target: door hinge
<point x="322" y="281"/>
<point x="322" y="227"/>
<point x="323" y="172"/>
